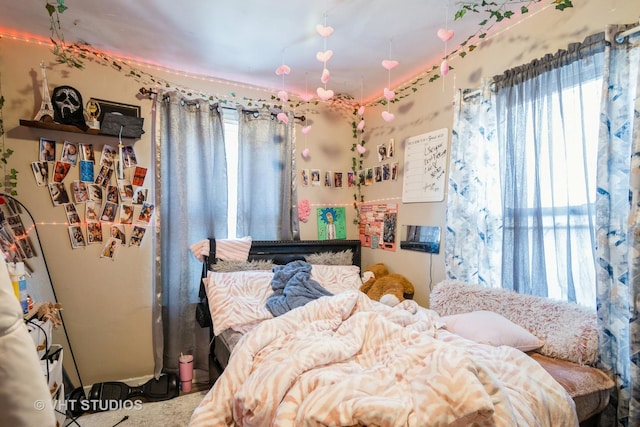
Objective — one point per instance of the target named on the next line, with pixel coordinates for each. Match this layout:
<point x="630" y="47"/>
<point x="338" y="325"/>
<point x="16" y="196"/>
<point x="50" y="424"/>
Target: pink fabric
<point x="348" y="360"/>
<point x="226" y="249"/>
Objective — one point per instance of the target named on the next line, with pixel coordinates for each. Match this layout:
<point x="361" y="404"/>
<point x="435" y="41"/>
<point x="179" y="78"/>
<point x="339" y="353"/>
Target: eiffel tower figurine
<point x="46" y="106"/>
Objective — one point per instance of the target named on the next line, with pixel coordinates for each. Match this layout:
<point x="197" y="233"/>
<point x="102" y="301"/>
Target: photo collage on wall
<point x="386" y="170"/>
<point x="15" y="242"/>
<point x="105" y="187"/>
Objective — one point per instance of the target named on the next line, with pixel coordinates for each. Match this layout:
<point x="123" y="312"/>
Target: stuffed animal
<point x="388" y="288"/>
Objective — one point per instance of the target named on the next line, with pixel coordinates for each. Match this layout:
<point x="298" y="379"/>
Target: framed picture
<point x="116" y="107"/>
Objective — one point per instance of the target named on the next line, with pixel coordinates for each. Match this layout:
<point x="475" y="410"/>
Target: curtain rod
<point x="631" y="31"/>
<point x="148" y="92"/>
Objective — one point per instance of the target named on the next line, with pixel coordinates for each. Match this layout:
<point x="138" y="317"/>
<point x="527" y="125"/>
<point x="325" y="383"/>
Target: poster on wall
<point x="332" y="223"/>
<point x="378" y="225"/>
<point x="425" y="159"/>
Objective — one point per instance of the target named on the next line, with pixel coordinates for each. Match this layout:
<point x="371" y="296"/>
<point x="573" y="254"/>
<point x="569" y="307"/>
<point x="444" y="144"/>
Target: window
<point x="567" y="192"/>
<point x="230" y="124"/>
<point x="522" y="178"/>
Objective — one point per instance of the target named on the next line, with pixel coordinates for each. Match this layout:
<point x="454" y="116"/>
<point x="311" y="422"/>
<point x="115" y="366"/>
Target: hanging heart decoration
<point x="324" y="56"/>
<point x="444" y="67"/>
<point x="387" y="116"/>
<point x="360" y="125"/>
<point x="306" y="97"/>
<point x="306" y="130"/>
<point x="283" y="95"/>
<point x="445" y="35"/>
<point x="325" y="76"/>
<point x="361" y="110"/>
<point x="389" y="94"/>
<point x="324" y="31"/>
<point x="389" y="65"/>
<point x="305" y="153"/>
<point x="324" y="94"/>
<point x="283" y="117"/>
<point x="283" y="69"/>
<point x="361" y="149"/>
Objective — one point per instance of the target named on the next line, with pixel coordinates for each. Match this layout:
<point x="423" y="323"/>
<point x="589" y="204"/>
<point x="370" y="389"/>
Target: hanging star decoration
<point x="389" y="95"/>
<point x="283" y="70"/>
<point x="324" y="56"/>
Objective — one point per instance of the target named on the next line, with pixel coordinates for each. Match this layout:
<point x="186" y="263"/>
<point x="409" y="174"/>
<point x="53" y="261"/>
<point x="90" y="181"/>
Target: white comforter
<point x="346" y="360"/>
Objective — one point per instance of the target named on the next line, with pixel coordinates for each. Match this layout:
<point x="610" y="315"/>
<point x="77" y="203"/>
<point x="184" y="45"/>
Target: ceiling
<point x="246" y="41"/>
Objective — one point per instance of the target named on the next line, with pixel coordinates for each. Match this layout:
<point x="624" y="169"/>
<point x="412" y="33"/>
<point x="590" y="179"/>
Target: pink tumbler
<point x="186" y="372"/>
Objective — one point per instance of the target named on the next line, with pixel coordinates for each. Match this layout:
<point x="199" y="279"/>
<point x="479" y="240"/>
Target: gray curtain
<point x="191" y="191"/>
<point x="522" y="134"/>
<point x="546" y="111"/>
<point x="267" y="199"/>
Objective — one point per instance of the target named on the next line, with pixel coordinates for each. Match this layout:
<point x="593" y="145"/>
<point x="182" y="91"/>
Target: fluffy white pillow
<point x="488" y="327"/>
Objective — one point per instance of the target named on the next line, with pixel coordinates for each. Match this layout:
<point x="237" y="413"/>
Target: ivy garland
<point x="10" y="177"/>
<point x="495" y="11"/>
<point x="75" y="54"/>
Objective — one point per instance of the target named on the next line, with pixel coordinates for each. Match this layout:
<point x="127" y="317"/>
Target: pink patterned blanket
<point x="345" y="360"/>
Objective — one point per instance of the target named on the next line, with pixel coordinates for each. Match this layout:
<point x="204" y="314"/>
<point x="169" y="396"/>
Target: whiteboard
<point x="425" y="161"/>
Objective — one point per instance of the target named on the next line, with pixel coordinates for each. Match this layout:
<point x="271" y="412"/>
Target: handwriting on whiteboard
<point x="425" y="158"/>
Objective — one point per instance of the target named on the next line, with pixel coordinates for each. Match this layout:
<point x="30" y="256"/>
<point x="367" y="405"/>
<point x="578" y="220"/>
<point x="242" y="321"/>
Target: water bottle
<point x="19" y="281"/>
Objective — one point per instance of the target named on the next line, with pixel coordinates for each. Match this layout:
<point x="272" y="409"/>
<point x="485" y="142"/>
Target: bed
<point x="344" y="360"/>
<point x="280" y="252"/>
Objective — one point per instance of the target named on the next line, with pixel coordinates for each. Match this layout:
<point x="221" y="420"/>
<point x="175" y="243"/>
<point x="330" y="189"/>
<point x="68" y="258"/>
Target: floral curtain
<point x="267" y="198"/>
<point x="473" y="239"/>
<point x="618" y="227"/>
<point x="191" y="195"/>
<point x="475" y="227"/>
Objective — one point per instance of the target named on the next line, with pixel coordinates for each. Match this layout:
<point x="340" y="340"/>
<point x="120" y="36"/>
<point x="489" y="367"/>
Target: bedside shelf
<point x="64" y="128"/>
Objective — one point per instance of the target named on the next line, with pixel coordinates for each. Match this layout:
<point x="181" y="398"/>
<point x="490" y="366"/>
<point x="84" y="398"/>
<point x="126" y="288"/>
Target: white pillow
<point x="488" y="327"/>
<point x="337" y="278"/>
<point x="237" y="299"/>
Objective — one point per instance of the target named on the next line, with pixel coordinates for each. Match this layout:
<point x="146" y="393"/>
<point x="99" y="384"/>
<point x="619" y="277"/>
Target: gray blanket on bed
<point x="293" y="287"/>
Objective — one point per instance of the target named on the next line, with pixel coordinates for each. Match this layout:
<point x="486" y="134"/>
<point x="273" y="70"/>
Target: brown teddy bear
<point x="388" y="288"/>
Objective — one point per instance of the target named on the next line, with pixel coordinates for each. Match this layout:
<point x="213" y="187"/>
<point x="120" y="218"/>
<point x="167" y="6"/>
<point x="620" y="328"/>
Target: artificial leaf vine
<point x="358" y="149"/>
<point x="75" y="54"/>
<point x="494" y="11"/>
<point x="11" y="176"/>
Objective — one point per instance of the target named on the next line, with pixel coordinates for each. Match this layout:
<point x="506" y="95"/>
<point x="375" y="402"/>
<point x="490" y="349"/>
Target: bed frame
<point x="280" y="252"/>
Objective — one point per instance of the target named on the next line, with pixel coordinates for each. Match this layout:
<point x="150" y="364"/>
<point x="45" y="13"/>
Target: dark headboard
<point x="285" y="251"/>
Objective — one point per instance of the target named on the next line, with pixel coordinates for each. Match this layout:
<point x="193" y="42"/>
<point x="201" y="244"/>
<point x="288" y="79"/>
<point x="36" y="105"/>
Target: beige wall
<point x="108" y="303"/>
<point x="430" y="109"/>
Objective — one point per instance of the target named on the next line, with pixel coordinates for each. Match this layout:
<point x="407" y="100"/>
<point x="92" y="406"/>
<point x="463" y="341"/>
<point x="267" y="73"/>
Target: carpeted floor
<point x="172" y="412"/>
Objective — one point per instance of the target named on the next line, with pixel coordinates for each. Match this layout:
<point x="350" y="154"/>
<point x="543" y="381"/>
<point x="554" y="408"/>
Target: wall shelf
<point x="65" y="128"/>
